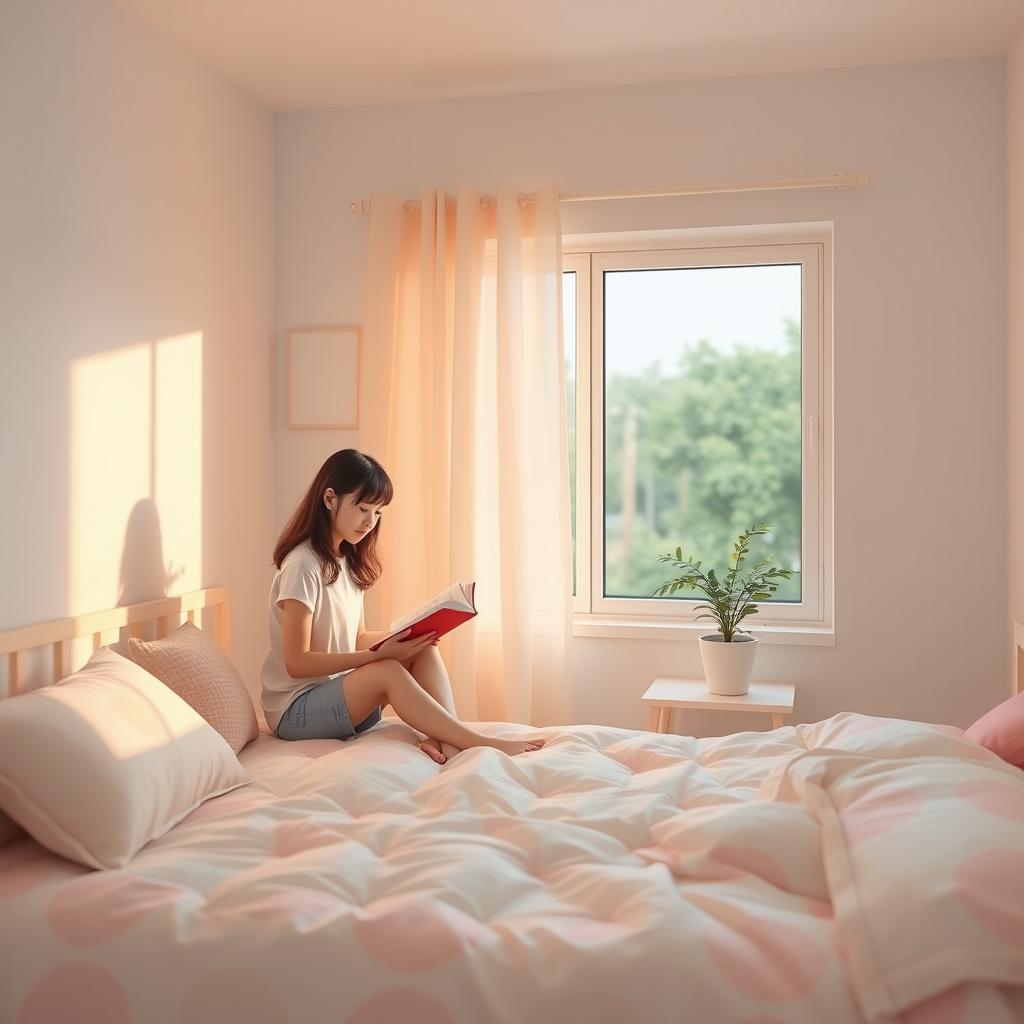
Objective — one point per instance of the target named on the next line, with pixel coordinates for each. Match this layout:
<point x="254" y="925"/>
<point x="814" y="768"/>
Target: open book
<point x="441" y="614"/>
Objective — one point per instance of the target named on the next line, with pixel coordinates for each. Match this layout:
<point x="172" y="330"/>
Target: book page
<point x="455" y="596"/>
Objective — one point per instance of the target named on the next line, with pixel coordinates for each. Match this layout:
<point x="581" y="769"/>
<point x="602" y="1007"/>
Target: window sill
<point x="620" y="628"/>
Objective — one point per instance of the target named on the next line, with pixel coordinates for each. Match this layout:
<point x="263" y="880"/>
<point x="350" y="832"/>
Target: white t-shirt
<point x="337" y="610"/>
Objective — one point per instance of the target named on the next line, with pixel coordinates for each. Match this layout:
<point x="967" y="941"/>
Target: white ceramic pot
<point x="728" y="666"/>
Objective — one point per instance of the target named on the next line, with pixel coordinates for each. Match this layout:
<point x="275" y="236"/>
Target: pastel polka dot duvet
<point x="858" y="869"/>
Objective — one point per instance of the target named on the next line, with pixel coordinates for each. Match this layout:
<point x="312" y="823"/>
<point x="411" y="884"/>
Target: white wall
<point x="136" y="285"/>
<point x="1015" y="255"/>
<point x="920" y="329"/>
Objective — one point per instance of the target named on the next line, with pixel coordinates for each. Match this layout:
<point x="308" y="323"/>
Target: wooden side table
<point x="775" y="699"/>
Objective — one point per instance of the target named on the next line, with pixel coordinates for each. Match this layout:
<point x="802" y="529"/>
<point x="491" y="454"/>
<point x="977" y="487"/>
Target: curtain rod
<point x="833" y="181"/>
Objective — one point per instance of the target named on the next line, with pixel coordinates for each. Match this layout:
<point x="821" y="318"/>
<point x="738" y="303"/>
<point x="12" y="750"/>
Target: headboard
<point x="104" y="627"/>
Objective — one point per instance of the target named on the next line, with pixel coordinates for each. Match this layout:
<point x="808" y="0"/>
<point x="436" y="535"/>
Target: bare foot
<point x="432" y="748"/>
<point x="515" y="746"/>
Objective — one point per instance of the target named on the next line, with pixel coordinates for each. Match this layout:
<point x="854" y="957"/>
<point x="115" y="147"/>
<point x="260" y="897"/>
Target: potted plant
<point x="727" y="657"/>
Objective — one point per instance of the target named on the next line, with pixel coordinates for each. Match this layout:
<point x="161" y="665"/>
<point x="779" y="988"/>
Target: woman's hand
<point x="402" y="649"/>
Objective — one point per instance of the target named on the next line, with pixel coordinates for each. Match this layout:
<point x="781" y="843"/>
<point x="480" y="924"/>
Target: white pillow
<point x="107" y="759"/>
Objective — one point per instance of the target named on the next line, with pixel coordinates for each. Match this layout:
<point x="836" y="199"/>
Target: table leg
<point x="665" y="720"/>
<point x="652" y="718"/>
<point x="777" y="722"/>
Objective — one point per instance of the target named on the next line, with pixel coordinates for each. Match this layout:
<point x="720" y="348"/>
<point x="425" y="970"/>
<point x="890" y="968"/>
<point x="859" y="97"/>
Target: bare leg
<point x="428" y="669"/>
<point x="387" y="682"/>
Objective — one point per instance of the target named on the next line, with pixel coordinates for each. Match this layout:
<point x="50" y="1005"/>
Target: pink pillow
<point x="197" y="670"/>
<point x="1001" y="730"/>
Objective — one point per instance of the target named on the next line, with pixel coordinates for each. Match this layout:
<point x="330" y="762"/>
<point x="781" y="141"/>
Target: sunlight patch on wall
<point x="178" y="458"/>
<point x="135" y="501"/>
<point x="111" y="424"/>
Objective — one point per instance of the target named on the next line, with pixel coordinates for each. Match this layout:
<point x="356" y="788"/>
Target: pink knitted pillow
<point x="1002" y="730"/>
<point x="197" y="670"/>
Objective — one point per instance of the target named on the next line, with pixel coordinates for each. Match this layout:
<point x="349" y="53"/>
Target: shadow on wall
<point x="143" y="574"/>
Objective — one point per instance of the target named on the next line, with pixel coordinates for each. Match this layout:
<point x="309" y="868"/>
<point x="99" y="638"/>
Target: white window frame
<point x="809" y="621"/>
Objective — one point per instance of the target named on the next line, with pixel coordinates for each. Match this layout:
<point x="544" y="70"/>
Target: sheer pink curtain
<point x="465" y="407"/>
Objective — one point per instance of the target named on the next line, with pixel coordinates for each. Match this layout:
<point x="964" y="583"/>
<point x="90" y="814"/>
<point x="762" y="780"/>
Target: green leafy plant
<point x="733" y="598"/>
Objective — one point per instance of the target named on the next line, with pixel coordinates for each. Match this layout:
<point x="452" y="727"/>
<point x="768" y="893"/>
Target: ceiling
<point x="310" y="54"/>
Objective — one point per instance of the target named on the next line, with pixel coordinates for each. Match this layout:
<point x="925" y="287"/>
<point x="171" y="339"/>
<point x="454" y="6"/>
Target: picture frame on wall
<point x="323" y="377"/>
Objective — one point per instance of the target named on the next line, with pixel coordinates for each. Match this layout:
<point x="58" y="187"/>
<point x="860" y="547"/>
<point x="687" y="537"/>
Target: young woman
<point x="320" y="680"/>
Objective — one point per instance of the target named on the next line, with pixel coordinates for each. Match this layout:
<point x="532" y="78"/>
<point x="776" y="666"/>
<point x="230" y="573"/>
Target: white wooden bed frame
<point x="105" y="627"/>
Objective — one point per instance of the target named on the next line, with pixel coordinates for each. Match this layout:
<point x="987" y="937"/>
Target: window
<point x="696" y="377"/>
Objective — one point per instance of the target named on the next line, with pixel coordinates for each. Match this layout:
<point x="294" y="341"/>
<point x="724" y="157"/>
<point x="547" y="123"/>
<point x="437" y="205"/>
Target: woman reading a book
<point x="321" y="679"/>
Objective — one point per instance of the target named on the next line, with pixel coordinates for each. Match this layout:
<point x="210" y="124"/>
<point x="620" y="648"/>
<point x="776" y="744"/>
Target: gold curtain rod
<point x="835" y="181"/>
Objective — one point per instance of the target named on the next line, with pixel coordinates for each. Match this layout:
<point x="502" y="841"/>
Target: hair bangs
<point x="376" y="489"/>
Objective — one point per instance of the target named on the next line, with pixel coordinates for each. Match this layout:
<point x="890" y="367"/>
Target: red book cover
<point x="441" y="620"/>
<point x="444" y="620"/>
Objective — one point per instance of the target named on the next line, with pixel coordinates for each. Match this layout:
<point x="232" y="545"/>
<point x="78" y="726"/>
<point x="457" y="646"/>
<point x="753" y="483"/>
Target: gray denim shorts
<point x="321" y="714"/>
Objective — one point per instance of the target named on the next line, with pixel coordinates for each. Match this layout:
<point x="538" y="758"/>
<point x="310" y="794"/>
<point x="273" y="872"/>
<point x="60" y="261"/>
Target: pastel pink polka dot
<point x="878" y="811"/>
<point x="76" y="993"/>
<point x="995" y="797"/>
<point x="100" y="906"/>
<point x="400" y="1005"/>
<point x="25" y="865"/>
<point x="769" y="960"/>
<point x="945" y="1008"/>
<point x="991" y="884"/>
<point x="382" y="752"/>
<point x="416" y="935"/>
<point x="292" y="837"/>
<point x="233" y="994"/>
<point x="750" y="860"/>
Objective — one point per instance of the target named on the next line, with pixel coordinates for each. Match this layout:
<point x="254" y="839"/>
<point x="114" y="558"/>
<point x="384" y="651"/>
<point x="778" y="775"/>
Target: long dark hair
<point x="347" y="471"/>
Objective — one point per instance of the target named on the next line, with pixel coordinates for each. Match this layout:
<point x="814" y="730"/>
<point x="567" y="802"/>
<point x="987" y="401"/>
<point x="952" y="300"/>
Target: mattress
<point x="854" y="869"/>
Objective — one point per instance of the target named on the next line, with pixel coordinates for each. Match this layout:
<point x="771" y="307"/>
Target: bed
<point x="854" y="869"/>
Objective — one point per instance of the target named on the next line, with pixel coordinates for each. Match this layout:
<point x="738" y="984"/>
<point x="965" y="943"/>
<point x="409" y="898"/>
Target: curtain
<point x="465" y="407"/>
